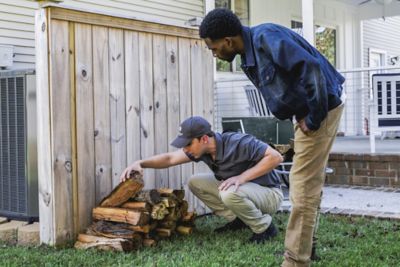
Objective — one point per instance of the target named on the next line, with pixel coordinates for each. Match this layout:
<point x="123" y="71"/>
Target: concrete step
<point x="9" y="231"/>
<point x="3" y="220"/>
<point x="28" y="235"/>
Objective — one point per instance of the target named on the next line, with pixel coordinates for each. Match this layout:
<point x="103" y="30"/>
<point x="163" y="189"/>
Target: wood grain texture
<point x="102" y="124"/>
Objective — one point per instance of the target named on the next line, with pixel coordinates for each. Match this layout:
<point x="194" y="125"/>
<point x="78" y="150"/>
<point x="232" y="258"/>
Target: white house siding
<point x="230" y="97"/>
<point x="379" y="35"/>
<point x="383" y="35"/>
<point x="17" y="19"/>
<point x="326" y="13"/>
<point x="17" y="29"/>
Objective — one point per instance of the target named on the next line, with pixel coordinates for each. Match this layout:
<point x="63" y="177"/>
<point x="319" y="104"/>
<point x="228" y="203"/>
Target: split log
<point x="144" y="228"/>
<point x="184" y="208"/>
<point x="169" y="202"/>
<point x="124" y="191"/>
<point x="140" y="206"/>
<point x="173" y="214"/>
<point x="110" y="229"/>
<point x="114" y="230"/>
<point x="163" y="232"/>
<point x="149" y="242"/>
<point x="159" y="211"/>
<point x="189" y="218"/>
<point x="121" y="215"/>
<point x="167" y="192"/>
<point x="168" y="224"/>
<point x="184" y="230"/>
<point x="150" y="196"/>
<point x="103" y="243"/>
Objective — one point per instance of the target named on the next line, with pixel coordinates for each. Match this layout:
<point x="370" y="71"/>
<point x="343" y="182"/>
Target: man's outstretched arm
<point x="159" y="161"/>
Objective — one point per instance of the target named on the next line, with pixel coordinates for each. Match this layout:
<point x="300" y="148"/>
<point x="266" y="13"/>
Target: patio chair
<point x="256" y="102"/>
<point x="385" y="105"/>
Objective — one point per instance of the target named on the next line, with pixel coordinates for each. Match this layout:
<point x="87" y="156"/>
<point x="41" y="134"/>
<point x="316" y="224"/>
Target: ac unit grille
<point x="12" y="145"/>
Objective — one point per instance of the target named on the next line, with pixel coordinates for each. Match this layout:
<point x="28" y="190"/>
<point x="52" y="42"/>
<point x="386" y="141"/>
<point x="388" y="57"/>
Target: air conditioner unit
<point x="18" y="146"/>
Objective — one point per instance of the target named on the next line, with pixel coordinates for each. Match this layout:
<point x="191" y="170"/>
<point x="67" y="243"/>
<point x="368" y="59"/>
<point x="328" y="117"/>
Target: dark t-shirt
<point x="237" y="152"/>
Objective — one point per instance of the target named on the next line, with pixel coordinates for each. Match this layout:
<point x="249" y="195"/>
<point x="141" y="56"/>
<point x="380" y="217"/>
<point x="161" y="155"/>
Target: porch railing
<point x="231" y="100"/>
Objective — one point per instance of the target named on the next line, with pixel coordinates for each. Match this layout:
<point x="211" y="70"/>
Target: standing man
<point x="243" y="188"/>
<point x="295" y="81"/>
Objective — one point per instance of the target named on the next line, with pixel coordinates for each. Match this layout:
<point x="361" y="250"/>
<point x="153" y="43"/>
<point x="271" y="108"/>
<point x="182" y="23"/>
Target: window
<point x="325" y="40"/>
<point x="241" y="9"/>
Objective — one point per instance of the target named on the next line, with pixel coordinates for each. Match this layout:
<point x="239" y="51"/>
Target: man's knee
<point x="229" y="198"/>
<point x="194" y="183"/>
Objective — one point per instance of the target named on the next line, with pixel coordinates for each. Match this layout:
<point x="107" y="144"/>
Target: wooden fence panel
<point x="110" y="91"/>
<point x="185" y="98"/>
<point x="173" y="105"/>
<point x="45" y="174"/>
<point x="102" y="127"/>
<point x="132" y="92"/>
<point x="61" y="135"/>
<point x="146" y="104"/>
<point x="160" y="105"/>
<point x="197" y="103"/>
<point x="117" y="103"/>
<point x="84" y="124"/>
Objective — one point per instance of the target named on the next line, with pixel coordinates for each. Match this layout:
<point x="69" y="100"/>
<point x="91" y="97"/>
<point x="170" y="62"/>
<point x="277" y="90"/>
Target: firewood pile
<point x="130" y="217"/>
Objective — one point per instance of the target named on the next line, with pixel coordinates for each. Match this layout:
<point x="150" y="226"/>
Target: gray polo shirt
<point x="237" y="152"/>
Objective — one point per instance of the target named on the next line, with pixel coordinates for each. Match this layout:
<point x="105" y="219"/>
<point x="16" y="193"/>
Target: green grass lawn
<point x="343" y="241"/>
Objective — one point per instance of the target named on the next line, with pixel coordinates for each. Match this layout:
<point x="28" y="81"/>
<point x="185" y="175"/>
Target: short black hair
<point x="210" y="134"/>
<point x="220" y="23"/>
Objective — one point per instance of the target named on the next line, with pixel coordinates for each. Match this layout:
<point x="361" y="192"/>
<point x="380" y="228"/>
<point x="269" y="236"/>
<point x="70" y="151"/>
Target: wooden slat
<point x="185" y="96"/>
<point x="197" y="99"/>
<point x="208" y="83"/>
<point x="121" y="23"/>
<point x="160" y="105"/>
<point x="61" y="134"/>
<point x="208" y="102"/>
<point x="75" y="204"/>
<point x="84" y="123"/>
<point x="117" y="103"/>
<point x="101" y="100"/>
<point x="173" y="104"/>
<point x="132" y="92"/>
<point x="45" y="173"/>
<point x="146" y="104"/>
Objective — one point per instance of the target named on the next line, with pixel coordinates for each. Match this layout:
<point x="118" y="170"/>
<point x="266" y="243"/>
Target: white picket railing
<point x="231" y="99"/>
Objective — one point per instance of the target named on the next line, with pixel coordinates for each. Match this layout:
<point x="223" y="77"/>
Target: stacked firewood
<point x="131" y="217"/>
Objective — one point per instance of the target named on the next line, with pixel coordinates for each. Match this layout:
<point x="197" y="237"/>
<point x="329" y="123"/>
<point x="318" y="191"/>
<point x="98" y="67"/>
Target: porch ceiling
<point x="374" y="9"/>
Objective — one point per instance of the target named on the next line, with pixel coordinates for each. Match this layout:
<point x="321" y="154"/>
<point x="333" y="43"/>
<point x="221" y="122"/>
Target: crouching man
<point x="243" y="188"/>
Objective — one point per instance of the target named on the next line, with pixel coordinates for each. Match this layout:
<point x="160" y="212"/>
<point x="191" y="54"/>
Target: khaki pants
<point x="252" y="203"/>
<point x="307" y="178"/>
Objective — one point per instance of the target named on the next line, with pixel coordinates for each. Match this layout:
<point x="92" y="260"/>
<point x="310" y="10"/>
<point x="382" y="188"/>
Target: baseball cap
<point x="190" y="128"/>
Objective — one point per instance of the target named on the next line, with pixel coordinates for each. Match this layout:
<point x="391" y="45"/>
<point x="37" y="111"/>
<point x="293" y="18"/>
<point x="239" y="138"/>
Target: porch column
<point x="307" y="12"/>
<point x="209" y="5"/>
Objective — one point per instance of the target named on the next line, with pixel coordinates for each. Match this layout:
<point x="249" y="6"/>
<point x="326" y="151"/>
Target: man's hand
<point x="127" y="172"/>
<point x="235" y="181"/>
<point x="303" y="127"/>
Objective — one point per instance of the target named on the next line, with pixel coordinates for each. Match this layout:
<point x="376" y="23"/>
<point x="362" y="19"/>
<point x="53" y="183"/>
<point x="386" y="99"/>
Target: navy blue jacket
<point x="293" y="77"/>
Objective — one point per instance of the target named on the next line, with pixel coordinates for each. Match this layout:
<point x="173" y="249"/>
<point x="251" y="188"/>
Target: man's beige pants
<point x="252" y="203"/>
<point x="306" y="179"/>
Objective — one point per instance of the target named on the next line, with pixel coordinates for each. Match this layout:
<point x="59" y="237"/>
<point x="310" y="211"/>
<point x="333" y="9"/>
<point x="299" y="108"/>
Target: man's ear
<point x="228" y="41"/>
<point x="205" y="139"/>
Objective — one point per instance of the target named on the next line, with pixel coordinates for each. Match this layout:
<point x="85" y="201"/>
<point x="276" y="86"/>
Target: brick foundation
<point x="378" y="170"/>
